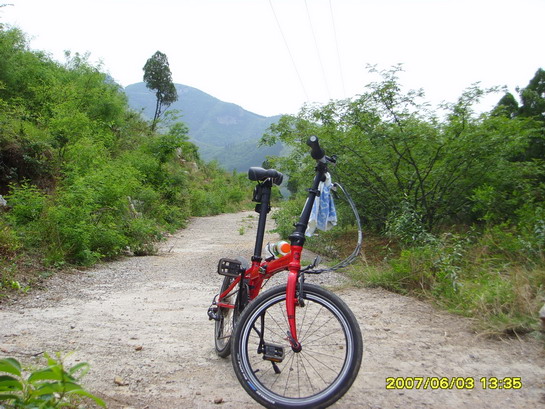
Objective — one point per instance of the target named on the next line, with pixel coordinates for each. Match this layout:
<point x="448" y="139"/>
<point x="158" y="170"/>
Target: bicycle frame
<point x="262" y="270"/>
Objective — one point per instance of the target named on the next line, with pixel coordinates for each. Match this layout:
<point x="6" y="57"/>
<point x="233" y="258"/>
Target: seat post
<point x="263" y="208"/>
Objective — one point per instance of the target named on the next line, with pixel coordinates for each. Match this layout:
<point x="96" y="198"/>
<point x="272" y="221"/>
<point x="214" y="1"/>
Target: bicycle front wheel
<point x="316" y="376"/>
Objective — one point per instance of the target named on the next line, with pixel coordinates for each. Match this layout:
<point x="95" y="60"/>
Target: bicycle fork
<point x="291" y="297"/>
<point x="272" y="352"/>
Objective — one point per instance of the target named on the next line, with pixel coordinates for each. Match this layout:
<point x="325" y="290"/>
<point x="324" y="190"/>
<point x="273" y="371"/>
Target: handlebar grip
<point x="316" y="151"/>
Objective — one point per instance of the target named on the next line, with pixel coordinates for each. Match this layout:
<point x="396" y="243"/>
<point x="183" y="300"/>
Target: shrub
<point x="286" y="215"/>
<point x="27" y="203"/>
<point x="50" y="387"/>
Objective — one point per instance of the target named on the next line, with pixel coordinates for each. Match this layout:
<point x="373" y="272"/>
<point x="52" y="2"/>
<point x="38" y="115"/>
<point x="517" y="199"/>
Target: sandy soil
<point x="141" y="323"/>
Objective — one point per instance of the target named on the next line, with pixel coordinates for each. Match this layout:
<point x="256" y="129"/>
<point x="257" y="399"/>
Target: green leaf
<point x="48" y="389"/>
<point x="9" y="383"/>
<point x="50" y="360"/>
<point x="11" y="366"/>
<point x="5" y="398"/>
<point x="82" y="392"/>
<point x="84" y="367"/>
<point x="56" y="387"/>
<point x="45" y="375"/>
<point x="71" y="386"/>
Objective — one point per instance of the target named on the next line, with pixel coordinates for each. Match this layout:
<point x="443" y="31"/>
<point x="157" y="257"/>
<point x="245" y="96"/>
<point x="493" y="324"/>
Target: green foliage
<point x="406" y="225"/>
<point x="395" y="152"/>
<point x="533" y="97"/>
<point x="9" y="243"/>
<point x="27" y="204"/>
<point x="158" y="77"/>
<point x="532" y="106"/>
<point x="415" y="174"/>
<point x="286" y="215"/>
<point x="84" y="177"/>
<point x="489" y="275"/>
<point x="219" y="192"/>
<point x="51" y="387"/>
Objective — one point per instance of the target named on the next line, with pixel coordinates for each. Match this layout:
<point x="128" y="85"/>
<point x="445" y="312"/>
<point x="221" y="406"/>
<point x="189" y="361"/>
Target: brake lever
<point x="316" y="261"/>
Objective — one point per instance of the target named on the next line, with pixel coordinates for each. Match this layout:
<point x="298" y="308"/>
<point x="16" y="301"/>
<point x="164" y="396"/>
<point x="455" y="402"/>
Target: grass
<point x="22" y="273"/>
<point x="477" y="275"/>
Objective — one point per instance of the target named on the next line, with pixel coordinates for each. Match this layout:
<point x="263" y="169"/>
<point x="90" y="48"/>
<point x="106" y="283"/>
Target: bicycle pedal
<point x="229" y="267"/>
<point x="273" y="353"/>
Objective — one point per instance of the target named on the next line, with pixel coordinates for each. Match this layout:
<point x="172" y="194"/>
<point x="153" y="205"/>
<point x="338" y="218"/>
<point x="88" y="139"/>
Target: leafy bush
<point x="51" y="387"/>
<point x="407" y="226"/>
<point x="394" y="149"/>
<point x="86" y="178"/>
<point x="286" y="215"/>
<point x="9" y="242"/>
<point x="27" y="203"/>
<point x="477" y="274"/>
<point x="416" y="173"/>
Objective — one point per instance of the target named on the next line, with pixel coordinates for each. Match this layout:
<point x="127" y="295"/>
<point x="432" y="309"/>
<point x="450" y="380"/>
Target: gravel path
<point x="141" y="323"/>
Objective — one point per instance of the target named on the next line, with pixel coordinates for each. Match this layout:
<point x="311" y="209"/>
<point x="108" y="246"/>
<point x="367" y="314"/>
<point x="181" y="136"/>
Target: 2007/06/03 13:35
<point x="435" y="382"/>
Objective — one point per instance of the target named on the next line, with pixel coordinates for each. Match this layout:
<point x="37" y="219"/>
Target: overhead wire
<point x="289" y="51"/>
<point x="337" y="48"/>
<point x="317" y="50"/>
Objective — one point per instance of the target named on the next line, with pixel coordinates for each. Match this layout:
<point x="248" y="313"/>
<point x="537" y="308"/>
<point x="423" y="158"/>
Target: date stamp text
<point x="453" y="382"/>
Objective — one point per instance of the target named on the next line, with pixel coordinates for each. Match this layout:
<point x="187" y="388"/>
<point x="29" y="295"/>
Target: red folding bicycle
<point x="296" y="345"/>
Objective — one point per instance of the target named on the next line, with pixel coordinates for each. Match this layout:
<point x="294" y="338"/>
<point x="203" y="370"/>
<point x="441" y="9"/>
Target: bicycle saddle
<point x="259" y="174"/>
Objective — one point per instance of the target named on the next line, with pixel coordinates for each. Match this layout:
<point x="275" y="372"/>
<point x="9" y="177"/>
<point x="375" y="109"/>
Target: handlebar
<point x="316" y="152"/>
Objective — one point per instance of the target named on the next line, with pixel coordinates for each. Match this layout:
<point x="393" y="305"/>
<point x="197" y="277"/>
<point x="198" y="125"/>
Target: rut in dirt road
<point x="141" y="323"/>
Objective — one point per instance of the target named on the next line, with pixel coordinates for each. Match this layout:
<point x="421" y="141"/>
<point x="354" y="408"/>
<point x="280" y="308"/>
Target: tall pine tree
<point x="158" y="78"/>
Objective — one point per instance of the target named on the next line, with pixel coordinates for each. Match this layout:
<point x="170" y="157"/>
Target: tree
<point x="507" y="106"/>
<point x="158" y="78"/>
<point x="400" y="161"/>
<point x="532" y="106"/>
<point x="533" y="97"/>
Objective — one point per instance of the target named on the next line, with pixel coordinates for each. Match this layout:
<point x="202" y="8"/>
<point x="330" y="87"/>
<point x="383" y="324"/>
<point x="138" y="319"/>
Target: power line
<point x="337" y="47"/>
<point x="289" y="51"/>
<point x="318" y="51"/>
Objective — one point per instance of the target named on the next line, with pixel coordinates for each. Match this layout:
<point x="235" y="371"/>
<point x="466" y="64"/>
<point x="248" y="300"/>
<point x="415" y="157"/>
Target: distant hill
<point x="223" y="131"/>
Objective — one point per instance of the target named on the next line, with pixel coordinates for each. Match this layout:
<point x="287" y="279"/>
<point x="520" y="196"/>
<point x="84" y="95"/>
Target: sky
<point x="273" y="56"/>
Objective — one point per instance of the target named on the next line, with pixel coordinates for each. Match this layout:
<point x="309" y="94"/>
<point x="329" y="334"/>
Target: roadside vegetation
<point x="48" y="386"/>
<point x="84" y="178"/>
<point x="453" y="202"/>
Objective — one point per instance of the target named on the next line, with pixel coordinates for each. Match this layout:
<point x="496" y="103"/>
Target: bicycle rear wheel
<point x="317" y="376"/>
<point x="227" y="318"/>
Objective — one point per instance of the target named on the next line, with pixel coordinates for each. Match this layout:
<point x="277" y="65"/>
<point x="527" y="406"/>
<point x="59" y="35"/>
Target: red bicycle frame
<point x="260" y="270"/>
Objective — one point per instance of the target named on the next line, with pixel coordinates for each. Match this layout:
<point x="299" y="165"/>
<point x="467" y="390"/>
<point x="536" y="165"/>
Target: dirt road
<point x="141" y="323"/>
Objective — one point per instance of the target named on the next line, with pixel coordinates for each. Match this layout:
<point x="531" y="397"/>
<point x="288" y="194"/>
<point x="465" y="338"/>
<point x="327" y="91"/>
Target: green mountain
<point x="223" y="131"/>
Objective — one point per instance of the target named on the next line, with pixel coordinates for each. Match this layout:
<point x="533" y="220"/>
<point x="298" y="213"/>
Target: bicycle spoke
<point x="322" y="368"/>
<point x="313" y="341"/>
<point x="302" y="323"/>
<point x="304" y="356"/>
<point x="307" y="375"/>
<point x="318" y="327"/>
<point x="312" y="322"/>
<point x="289" y="374"/>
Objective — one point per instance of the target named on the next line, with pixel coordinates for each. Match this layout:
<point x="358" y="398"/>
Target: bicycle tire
<point x="224" y="327"/>
<point x="321" y="373"/>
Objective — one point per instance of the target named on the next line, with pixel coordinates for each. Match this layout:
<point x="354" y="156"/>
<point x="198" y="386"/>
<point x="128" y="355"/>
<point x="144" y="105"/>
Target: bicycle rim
<point x="315" y="377"/>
